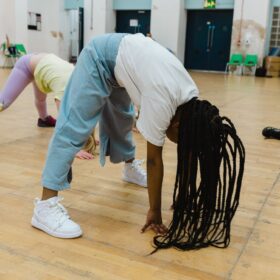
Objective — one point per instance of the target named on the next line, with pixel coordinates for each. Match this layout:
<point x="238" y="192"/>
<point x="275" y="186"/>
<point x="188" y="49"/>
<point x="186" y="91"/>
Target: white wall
<point x="21" y="22"/>
<point x="100" y="18"/>
<point x="54" y="36"/>
<point x="168" y="25"/>
<point x="252" y="37"/>
<point x="88" y="20"/>
<point x="170" y="33"/>
<point x="64" y="28"/>
<point x="7" y="16"/>
<point x="13" y="22"/>
<point x="110" y="17"/>
<point x="44" y="40"/>
<point x="182" y="32"/>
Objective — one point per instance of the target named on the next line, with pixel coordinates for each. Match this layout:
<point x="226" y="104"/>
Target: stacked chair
<point x="11" y="58"/>
<point x="238" y="66"/>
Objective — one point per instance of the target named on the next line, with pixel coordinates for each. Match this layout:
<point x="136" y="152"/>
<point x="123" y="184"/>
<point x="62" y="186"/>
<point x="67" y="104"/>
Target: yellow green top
<point x="52" y="74"/>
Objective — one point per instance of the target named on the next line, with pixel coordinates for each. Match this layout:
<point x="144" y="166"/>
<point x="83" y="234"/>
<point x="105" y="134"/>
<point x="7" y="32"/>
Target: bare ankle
<point x="48" y="193"/>
<point x="130" y="160"/>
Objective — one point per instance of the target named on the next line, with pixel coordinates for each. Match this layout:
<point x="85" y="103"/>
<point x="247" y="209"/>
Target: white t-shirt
<point x="156" y="81"/>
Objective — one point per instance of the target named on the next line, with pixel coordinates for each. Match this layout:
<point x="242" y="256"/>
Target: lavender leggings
<point x="19" y="78"/>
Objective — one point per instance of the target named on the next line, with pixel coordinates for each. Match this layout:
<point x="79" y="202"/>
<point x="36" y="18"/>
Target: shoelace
<point x="57" y="209"/>
<point x="137" y="164"/>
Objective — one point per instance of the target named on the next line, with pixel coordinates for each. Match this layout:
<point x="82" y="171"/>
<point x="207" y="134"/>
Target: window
<point x="275" y="28"/>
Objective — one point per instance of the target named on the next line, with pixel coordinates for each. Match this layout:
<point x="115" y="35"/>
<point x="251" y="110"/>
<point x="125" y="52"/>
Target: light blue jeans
<point x="92" y="95"/>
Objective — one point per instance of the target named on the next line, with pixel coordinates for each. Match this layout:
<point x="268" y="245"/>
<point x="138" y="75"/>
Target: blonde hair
<point x="91" y="145"/>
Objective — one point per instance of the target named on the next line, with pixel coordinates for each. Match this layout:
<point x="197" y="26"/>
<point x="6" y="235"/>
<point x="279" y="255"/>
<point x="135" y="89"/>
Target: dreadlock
<point x="209" y="174"/>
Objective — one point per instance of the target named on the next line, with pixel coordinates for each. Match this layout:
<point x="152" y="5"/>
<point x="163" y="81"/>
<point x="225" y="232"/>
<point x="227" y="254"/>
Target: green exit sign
<point x="209" y="4"/>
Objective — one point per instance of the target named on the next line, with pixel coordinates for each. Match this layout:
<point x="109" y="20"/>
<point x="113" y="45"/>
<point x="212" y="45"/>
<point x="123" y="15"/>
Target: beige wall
<point x="9" y="24"/>
<point x="168" y="25"/>
<point x="52" y="36"/>
<point x="13" y="22"/>
<point x="249" y="31"/>
<point x="101" y="19"/>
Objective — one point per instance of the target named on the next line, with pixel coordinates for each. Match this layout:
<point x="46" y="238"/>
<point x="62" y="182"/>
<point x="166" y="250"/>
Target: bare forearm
<point x="155" y="177"/>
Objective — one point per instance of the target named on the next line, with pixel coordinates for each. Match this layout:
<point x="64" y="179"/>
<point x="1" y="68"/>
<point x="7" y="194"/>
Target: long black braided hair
<point x="210" y="168"/>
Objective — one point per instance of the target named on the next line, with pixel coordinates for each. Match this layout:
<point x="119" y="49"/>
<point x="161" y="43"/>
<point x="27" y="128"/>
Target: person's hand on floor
<point x="154" y="222"/>
<point x="84" y="155"/>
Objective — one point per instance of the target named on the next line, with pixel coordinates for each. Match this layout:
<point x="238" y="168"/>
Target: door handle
<point x="208" y="37"/>
<point x="212" y="36"/>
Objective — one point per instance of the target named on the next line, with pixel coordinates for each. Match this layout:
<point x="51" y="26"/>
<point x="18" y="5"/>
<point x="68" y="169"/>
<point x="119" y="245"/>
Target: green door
<point x="133" y="22"/>
<point x="208" y="39"/>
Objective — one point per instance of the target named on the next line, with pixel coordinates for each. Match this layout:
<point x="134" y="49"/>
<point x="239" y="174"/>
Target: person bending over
<point x="113" y="72"/>
<point x="48" y="73"/>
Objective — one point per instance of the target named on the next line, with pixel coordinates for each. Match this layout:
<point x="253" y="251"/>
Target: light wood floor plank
<point x="111" y="212"/>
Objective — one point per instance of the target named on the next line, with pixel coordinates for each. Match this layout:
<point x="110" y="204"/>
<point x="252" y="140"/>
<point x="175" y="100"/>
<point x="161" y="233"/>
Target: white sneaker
<point x="134" y="173"/>
<point x="1" y="107"/>
<point x="51" y="217"/>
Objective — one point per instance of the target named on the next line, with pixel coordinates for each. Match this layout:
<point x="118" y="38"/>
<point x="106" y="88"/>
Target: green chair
<point x="10" y="59"/>
<point x="20" y="50"/>
<point x="235" y="64"/>
<point x="250" y="64"/>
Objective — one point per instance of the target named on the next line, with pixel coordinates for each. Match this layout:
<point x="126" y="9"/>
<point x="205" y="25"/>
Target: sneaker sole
<point x="125" y="179"/>
<point x="42" y="227"/>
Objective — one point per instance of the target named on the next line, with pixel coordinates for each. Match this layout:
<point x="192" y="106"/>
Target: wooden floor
<point x="111" y="212"/>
